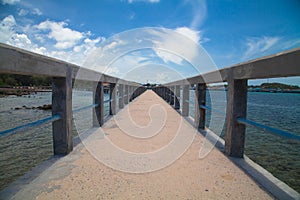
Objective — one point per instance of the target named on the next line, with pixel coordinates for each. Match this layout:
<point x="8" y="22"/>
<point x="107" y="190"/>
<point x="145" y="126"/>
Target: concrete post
<point x="113" y="99"/>
<point x="98" y="94"/>
<point x="135" y="92"/>
<point x="236" y="107"/>
<point x="164" y="93"/>
<point x="167" y="95"/>
<point x="129" y="93"/>
<point x="161" y="92"/>
<point x="126" y="94"/>
<point x="121" y="96"/>
<point x="177" y="97"/>
<point x="185" y="100"/>
<point x="62" y="105"/>
<point x="200" y="95"/>
<point x="172" y="88"/>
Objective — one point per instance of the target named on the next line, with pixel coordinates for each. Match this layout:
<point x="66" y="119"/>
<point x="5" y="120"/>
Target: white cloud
<point x="37" y="11"/>
<point x="193" y="35"/>
<point x="182" y="43"/>
<point x="79" y="53"/>
<point x="25" y="37"/>
<point x="20" y="40"/>
<point x="87" y="45"/>
<point x="169" y="57"/>
<point x="64" y="37"/>
<point x="39" y="37"/>
<point x="199" y="10"/>
<point x="10" y="2"/>
<point x="9" y="21"/>
<point x="196" y="36"/>
<point x="7" y="28"/>
<point x="147" y="1"/>
<point x="168" y="47"/>
<point x="23" y="12"/>
<point x="258" y="45"/>
<point x="161" y="77"/>
<point x="292" y="43"/>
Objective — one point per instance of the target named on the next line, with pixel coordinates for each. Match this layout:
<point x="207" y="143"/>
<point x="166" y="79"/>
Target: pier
<point x="76" y="171"/>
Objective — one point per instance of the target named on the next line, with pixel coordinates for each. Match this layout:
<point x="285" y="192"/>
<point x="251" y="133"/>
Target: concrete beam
<point x="14" y="60"/>
<point x="283" y="64"/>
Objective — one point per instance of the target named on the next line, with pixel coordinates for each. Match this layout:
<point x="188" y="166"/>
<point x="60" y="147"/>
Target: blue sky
<point x="231" y="31"/>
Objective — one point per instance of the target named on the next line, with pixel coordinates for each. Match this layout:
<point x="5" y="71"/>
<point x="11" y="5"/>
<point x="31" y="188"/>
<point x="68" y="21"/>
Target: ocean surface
<point x="22" y="151"/>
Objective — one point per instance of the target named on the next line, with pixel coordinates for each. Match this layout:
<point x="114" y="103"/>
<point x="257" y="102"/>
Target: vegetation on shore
<point x="12" y="84"/>
<point x="279" y="86"/>
<point x="12" y="80"/>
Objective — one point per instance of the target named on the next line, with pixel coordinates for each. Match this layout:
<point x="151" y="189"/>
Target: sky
<point x="153" y="40"/>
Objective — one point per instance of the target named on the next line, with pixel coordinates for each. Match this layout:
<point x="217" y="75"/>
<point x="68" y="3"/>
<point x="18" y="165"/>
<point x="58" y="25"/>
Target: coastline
<point x="22" y="90"/>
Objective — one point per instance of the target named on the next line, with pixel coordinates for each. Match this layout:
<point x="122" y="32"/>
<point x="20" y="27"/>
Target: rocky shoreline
<point x="43" y="107"/>
<point x="20" y="91"/>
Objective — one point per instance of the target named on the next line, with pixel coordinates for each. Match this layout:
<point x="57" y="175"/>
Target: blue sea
<point x="22" y="151"/>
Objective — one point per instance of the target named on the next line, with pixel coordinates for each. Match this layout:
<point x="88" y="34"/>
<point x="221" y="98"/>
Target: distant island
<point x="11" y="84"/>
<point x="265" y="87"/>
<point x="275" y="87"/>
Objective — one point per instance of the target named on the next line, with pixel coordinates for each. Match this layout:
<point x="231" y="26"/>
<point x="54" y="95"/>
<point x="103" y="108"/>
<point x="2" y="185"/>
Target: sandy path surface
<point x="173" y="173"/>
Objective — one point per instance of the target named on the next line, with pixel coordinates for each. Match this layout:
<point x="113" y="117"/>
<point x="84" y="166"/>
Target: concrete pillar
<point x="172" y="88"/>
<point x="139" y="91"/>
<point x="177" y="97"/>
<point x="161" y="92"/>
<point x="158" y="92"/>
<point x="134" y="92"/>
<point x="126" y="95"/>
<point x="164" y="93"/>
<point x="62" y="105"/>
<point x="129" y="93"/>
<point x="185" y="100"/>
<point x="200" y="100"/>
<point x="113" y="99"/>
<point x="98" y="98"/>
<point x="121" y="96"/>
<point x="236" y="107"/>
<point x="168" y="95"/>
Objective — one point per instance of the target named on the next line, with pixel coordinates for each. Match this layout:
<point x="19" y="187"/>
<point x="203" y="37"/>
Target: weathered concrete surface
<point x="80" y="176"/>
<point x="283" y="64"/>
<point x="14" y="60"/>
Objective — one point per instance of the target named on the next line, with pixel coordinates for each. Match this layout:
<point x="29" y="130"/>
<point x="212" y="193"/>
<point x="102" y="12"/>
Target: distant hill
<point x="279" y="86"/>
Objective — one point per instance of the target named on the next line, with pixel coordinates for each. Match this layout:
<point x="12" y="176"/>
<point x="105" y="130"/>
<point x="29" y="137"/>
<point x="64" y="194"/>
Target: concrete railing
<point x="284" y="64"/>
<point x="18" y="61"/>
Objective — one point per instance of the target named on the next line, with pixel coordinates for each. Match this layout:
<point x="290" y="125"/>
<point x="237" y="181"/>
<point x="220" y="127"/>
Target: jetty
<point x="149" y="147"/>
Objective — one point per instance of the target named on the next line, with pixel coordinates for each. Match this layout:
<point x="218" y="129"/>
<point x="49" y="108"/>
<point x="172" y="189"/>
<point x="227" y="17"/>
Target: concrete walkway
<point x="156" y="157"/>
